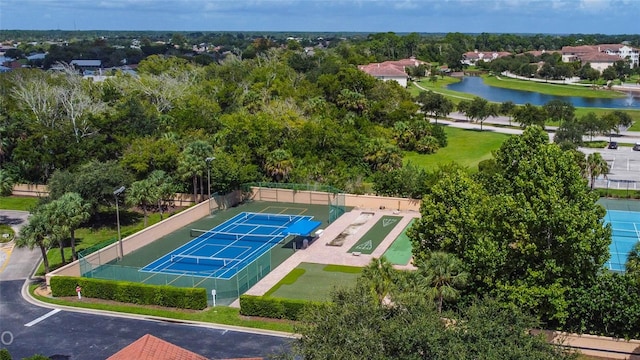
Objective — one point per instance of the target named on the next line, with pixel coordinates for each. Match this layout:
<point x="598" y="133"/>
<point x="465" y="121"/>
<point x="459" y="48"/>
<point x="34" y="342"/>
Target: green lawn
<point x="314" y="281"/>
<point x="22" y="203"/>
<point x="550" y="89"/>
<point x="466" y="147"/>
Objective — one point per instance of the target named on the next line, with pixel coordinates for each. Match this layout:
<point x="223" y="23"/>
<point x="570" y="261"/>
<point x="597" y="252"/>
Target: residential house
<point x="472" y="57"/>
<point x="149" y="347"/>
<point x="600" y="56"/>
<point x="622" y="51"/>
<point x="392" y="70"/>
<point x="87" y="67"/>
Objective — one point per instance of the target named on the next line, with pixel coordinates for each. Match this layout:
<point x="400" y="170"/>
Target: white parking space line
<point x="50" y="313"/>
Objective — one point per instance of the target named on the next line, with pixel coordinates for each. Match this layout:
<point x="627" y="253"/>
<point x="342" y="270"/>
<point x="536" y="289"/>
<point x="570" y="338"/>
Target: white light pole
<point x="117" y="192"/>
<point x="208" y="161"/>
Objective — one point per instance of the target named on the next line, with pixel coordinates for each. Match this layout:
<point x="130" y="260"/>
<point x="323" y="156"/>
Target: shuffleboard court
<point x="399" y="253"/>
<point x="231" y="246"/>
<point x="370" y="241"/>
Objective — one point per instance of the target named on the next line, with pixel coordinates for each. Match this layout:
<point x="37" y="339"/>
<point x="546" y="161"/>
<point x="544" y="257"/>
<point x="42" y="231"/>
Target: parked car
<point x="613" y="145"/>
<point x="636" y="147"/>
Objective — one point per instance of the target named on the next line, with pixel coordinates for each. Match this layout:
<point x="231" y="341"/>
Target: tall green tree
<point x="142" y="193"/>
<point x="531" y="224"/>
<point x="354" y="325"/>
<point x="616" y="119"/>
<point x="72" y="211"/>
<point x="36" y="234"/>
<point x="527" y="115"/>
<point x="506" y="109"/>
<point x="192" y="164"/>
<point x="477" y="110"/>
<point x="380" y="277"/>
<point x="434" y="104"/>
<point x="559" y="110"/>
<point x="596" y="166"/>
<point x="164" y="189"/>
<point x="444" y="275"/>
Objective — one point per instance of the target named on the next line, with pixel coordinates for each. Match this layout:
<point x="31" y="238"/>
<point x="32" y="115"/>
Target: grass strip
<point x="217" y="315"/>
<point x="289" y="279"/>
<point x="550" y="88"/>
<point x="21" y="203"/>
<point x="343" y="269"/>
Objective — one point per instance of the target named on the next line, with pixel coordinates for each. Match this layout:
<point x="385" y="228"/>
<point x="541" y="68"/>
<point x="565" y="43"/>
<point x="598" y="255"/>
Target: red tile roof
<point x="578" y="50"/>
<point x="383" y="70"/>
<point x="150" y="347"/>
<point x="599" y="57"/>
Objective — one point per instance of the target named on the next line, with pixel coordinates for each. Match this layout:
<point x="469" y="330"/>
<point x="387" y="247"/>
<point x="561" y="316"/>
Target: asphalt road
<point x="75" y="336"/>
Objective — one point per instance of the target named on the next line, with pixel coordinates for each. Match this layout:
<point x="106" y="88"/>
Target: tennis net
<point x="203" y="260"/>
<point x="229" y="236"/>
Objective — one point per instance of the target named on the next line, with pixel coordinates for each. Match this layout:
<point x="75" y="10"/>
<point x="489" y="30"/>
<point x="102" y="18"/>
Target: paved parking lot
<point x="624" y="165"/>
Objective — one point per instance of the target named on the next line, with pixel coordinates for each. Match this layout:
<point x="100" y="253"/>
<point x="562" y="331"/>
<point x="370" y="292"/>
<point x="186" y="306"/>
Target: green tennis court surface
<point x="314" y="282"/>
<point x="399" y="253"/>
<point x="376" y="234"/>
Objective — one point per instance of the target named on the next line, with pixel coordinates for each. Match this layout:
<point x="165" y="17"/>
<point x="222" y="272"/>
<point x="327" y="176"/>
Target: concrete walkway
<point x="320" y="253"/>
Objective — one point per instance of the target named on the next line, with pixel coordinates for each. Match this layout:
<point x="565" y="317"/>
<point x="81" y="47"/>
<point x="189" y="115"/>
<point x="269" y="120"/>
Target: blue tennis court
<point x="625" y="227"/>
<point x="228" y="248"/>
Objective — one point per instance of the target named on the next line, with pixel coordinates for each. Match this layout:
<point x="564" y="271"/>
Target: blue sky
<point x="467" y="16"/>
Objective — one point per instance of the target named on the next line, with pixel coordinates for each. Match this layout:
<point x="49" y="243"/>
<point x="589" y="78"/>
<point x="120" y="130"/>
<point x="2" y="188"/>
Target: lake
<point x="474" y="85"/>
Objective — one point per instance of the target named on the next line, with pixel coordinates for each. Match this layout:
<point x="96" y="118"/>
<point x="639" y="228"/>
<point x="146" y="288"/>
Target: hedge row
<point x="275" y="308"/>
<point x="131" y="292"/>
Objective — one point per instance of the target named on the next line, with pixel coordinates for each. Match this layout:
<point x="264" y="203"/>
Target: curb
<point x="30" y="299"/>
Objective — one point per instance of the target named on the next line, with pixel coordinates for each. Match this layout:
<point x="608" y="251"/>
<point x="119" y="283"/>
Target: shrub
<point x="275" y="308"/>
<point x="131" y="292"/>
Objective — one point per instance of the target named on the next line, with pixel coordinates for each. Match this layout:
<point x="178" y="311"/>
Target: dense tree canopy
<point x="528" y="231"/>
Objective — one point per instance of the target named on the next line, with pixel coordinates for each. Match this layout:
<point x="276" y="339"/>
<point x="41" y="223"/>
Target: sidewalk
<point x="457" y="119"/>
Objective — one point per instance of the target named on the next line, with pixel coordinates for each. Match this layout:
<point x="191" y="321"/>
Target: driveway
<point x="16" y="263"/>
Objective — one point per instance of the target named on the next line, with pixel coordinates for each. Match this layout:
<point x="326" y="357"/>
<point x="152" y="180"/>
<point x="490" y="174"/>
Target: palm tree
<point x="443" y="272"/>
<point x="141" y="193"/>
<point x="35" y="233"/>
<point x="596" y="166"/>
<point x="73" y="212"/>
<point x="278" y="164"/>
<point x="380" y="276"/>
<point x="192" y="164"/>
<point x="164" y="188"/>
<point x="633" y="262"/>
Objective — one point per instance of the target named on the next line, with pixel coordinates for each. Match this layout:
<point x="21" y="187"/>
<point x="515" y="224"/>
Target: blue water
<point x="626" y="227"/>
<point x="474" y="85"/>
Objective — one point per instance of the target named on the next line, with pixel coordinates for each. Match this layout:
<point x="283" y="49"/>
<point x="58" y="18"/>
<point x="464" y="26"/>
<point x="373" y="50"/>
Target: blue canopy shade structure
<point x="302" y="227"/>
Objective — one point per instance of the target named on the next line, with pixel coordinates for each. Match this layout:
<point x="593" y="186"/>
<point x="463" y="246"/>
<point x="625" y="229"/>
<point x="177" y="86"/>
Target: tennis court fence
<point x="227" y="290"/>
<point x="312" y="194"/>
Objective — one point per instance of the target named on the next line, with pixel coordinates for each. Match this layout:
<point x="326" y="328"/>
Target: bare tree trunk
<point x="45" y="260"/>
<point x="74" y="255"/>
<point x="145" y="214"/>
<point x="160" y="208"/>
<point x="195" y="189"/>
<point x="61" y="244"/>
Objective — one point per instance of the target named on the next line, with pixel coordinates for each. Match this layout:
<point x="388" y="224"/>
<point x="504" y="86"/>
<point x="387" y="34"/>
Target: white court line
<point x="50" y="313"/>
